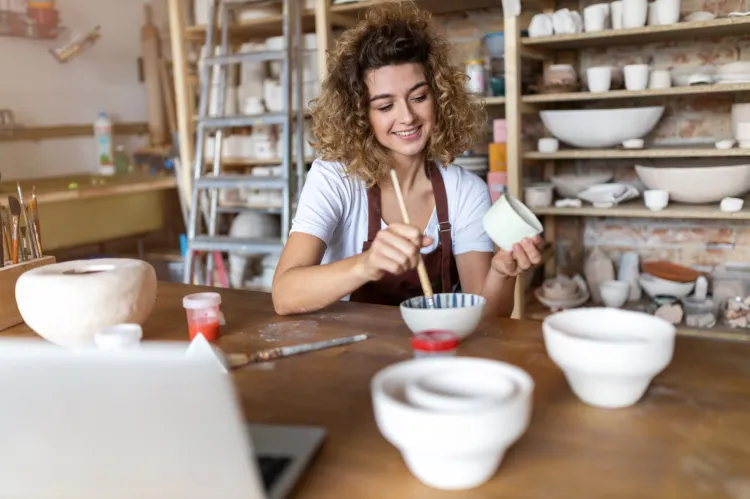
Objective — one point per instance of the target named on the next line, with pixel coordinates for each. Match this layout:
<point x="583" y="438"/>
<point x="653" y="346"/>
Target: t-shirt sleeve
<point x="473" y="202"/>
<point x="321" y="204"/>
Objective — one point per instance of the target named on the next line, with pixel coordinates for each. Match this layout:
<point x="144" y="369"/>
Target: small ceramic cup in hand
<point x="509" y="221"/>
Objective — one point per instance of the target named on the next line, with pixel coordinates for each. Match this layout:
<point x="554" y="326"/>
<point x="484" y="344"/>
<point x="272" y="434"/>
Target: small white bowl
<point x="731" y="205"/>
<point x="656" y="199"/>
<point x="655" y="286"/>
<point x="609" y="356"/>
<point x="450" y="450"/>
<point x="724" y="144"/>
<point x="547" y="145"/>
<point x="633" y="144"/>
<point x="539" y="195"/>
<point x="614" y="293"/>
<point x="459" y="313"/>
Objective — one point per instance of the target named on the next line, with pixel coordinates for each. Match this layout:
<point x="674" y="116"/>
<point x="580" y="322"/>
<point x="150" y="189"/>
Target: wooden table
<point x="688" y="438"/>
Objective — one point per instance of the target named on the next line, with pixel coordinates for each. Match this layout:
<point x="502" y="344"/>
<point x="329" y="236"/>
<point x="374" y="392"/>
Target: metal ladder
<point x="206" y="185"/>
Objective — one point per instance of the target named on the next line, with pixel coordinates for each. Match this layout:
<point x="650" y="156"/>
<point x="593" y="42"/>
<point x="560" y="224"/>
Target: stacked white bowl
<point x="609" y="356"/>
<point x="452" y="419"/>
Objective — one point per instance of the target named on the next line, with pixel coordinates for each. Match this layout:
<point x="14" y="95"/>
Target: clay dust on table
<point x="282" y="331"/>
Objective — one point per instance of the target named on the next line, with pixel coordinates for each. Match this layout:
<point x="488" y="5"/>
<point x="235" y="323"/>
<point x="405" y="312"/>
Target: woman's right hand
<point x="394" y="250"/>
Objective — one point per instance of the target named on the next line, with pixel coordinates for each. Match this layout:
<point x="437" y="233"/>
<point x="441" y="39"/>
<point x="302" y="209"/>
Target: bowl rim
<point x="480" y="303"/>
<point x="548" y="112"/>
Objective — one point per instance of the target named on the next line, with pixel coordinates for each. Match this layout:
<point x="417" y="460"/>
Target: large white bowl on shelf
<point x="569" y="185"/>
<point x="609" y="355"/>
<point x="697" y="185"/>
<point x="591" y="128"/>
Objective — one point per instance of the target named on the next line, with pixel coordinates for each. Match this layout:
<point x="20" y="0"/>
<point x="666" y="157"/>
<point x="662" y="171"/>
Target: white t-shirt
<point x="333" y="207"/>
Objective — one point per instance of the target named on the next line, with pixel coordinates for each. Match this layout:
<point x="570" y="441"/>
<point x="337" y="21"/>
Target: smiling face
<point x="401" y="108"/>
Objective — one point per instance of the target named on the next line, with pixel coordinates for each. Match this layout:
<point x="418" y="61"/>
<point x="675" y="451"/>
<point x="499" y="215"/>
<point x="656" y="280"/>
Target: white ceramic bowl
<point x="570" y="185"/>
<point x="592" y="128"/>
<point x="547" y="145"/>
<point x="655" y="286"/>
<point x="609" y="356"/>
<point x="538" y="195"/>
<point x="731" y="205"/>
<point x="509" y="221"/>
<point x="614" y="293"/>
<point x="451" y="450"/>
<point x="459" y="390"/>
<point x="697" y="185"/>
<point x="459" y="313"/>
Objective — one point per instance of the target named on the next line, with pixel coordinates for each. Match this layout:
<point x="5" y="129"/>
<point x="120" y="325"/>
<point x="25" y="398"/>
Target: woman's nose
<point x="406" y="114"/>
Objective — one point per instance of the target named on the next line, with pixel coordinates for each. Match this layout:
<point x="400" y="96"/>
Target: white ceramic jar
<point x="477" y="83"/>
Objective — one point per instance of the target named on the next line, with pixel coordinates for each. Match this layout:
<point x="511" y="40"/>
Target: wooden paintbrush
<point x="15" y="212"/>
<point x="35" y="216"/>
<point x="424" y="278"/>
<point x="240" y="360"/>
<point x="30" y="241"/>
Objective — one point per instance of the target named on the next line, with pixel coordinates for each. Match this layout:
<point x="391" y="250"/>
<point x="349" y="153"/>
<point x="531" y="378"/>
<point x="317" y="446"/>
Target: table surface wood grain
<point x="689" y="437"/>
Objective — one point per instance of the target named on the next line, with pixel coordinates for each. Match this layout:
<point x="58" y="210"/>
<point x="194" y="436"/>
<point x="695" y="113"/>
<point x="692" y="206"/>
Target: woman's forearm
<point x="307" y="289"/>
<point x="499" y="292"/>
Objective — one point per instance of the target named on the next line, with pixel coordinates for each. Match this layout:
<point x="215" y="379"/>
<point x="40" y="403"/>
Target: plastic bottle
<point x="122" y="160"/>
<point x="104" y="149"/>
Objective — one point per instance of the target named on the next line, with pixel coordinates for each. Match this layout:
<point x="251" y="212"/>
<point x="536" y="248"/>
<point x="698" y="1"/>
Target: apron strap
<point x="374" y="216"/>
<point x="444" y="226"/>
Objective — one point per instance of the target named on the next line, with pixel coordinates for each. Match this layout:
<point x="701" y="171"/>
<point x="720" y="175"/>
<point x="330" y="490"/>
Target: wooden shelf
<point x="664" y="152"/>
<point x="494" y="101"/>
<point x="240" y="162"/>
<point x="631" y="94"/>
<point x="252" y="29"/>
<point x="636" y="209"/>
<point x="727" y="26"/>
<point x="21" y="132"/>
<point x="434" y="6"/>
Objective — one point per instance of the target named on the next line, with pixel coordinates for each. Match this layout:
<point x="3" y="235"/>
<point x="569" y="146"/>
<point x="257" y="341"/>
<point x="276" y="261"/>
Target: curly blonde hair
<point x="392" y="33"/>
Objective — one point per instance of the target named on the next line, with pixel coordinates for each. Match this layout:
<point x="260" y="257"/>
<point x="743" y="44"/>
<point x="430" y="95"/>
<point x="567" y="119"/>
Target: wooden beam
<point x="342" y="21"/>
<point x="183" y="94"/>
<point x="325" y="36"/>
<point x="66" y="131"/>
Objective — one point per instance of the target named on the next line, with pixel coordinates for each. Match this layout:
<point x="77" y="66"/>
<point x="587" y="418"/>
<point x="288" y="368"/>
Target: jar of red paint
<point x="203" y="314"/>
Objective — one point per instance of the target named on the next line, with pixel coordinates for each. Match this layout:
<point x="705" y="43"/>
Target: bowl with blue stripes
<point x="456" y="312"/>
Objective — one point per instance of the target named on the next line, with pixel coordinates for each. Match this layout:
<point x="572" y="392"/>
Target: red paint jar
<point x="203" y="315"/>
<point x="435" y="343"/>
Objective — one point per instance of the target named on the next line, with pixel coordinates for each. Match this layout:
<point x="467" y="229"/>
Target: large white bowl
<point x="459" y="313"/>
<point x="446" y="448"/>
<point x="697" y="185"/>
<point x="569" y="185"/>
<point x="609" y="355"/>
<point x="591" y="128"/>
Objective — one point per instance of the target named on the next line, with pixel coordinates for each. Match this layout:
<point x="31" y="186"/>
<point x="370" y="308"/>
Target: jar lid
<point x="435" y="341"/>
<point x="475" y="61"/>
<point x="201" y="300"/>
<point x="118" y="336"/>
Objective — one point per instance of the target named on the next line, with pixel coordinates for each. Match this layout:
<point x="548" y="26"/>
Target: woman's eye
<point x="420" y="98"/>
<point x="386" y="107"/>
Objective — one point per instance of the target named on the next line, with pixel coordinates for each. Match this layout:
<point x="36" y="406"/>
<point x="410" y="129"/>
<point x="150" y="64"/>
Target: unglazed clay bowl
<point x="459" y="313"/>
<point x="609" y="356"/>
<point x="654" y="286"/>
<point x="447" y="448"/>
<point x="67" y="303"/>
<point x="697" y="185"/>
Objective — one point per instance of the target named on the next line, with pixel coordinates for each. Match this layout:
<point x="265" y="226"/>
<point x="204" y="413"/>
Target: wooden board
<point x="637" y="94"/>
<point x="64" y="131"/>
<point x="9" y="315"/>
<point x="636" y="209"/>
<point x="655" y="153"/>
<point x="151" y="74"/>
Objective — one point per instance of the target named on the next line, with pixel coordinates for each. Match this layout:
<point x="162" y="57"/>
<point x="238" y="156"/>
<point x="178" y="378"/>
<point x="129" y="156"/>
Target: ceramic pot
<point x="636" y="76"/>
<point x="634" y="13"/>
<point x="599" y="78"/>
<point x="509" y="221"/>
<point x="560" y="74"/>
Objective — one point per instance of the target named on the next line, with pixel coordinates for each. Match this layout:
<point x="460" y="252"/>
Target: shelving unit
<point x="516" y="103"/>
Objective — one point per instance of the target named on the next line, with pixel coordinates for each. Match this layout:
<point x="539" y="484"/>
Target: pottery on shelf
<point x="608" y="195"/>
<point x="671" y="271"/>
<point x="448" y="444"/>
<point x="655" y="286"/>
<point x="697" y="185"/>
<point x="562" y="292"/>
<point x="609" y="356"/>
<point x="629" y="272"/>
<point x="614" y="293"/>
<point x="570" y="185"/>
<point x="459" y="313"/>
<point x="596" y="128"/>
<point x="656" y="199"/>
<point x="509" y="221"/>
<point x="598" y="268"/>
<point x="539" y="195"/>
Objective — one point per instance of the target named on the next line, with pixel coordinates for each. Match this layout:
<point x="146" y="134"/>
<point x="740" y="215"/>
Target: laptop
<point x="144" y="423"/>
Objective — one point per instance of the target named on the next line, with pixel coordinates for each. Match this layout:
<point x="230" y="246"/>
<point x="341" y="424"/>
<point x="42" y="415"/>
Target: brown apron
<point x="441" y="265"/>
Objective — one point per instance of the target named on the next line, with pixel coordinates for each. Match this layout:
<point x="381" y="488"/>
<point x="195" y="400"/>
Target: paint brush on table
<point x="241" y="359"/>
<point x="424" y="278"/>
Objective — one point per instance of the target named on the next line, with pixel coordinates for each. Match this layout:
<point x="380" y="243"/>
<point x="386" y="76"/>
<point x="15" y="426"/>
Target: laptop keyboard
<point x="271" y="468"/>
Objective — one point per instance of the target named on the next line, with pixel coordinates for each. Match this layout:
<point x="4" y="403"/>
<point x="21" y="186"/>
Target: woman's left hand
<point x="521" y="258"/>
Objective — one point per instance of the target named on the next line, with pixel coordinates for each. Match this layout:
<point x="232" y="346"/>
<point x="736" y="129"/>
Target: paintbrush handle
<point x="276" y="353"/>
<point x="15" y="241"/>
<point x="424" y="278"/>
<point x="37" y="227"/>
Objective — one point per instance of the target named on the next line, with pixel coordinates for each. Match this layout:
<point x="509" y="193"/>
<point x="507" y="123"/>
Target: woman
<point x="392" y="100"/>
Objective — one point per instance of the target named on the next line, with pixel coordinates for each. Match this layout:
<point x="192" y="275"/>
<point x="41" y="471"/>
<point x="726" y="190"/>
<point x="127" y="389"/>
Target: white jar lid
<point x="118" y="337"/>
<point x="201" y="300"/>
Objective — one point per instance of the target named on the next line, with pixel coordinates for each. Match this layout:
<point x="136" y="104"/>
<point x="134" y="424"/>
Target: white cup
<point x="634" y="13"/>
<point x="656" y="199"/>
<point x="636" y="76"/>
<point x="667" y="11"/>
<point x="548" y="145"/>
<point x="599" y="78"/>
<point x="743" y="131"/>
<point x="595" y="17"/>
<point x="509" y="221"/>
<point x="653" y="14"/>
<point x="660" y="78"/>
<point x="615" y="9"/>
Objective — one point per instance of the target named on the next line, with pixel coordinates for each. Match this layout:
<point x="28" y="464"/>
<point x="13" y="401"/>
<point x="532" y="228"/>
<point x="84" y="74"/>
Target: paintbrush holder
<point x="9" y="314"/>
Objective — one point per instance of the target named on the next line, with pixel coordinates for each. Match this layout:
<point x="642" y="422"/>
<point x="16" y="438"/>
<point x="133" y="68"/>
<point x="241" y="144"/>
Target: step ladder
<point x="202" y="234"/>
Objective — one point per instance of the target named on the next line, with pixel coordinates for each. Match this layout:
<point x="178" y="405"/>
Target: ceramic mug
<point x="615" y="9"/>
<point x="660" y="78"/>
<point x="539" y="195"/>
<point x="599" y="78"/>
<point x="667" y="11"/>
<point x="656" y="199"/>
<point x="547" y="145"/>
<point x="653" y="14"/>
<point x="595" y="17"/>
<point x="509" y="221"/>
<point x="636" y="76"/>
<point x="634" y="13"/>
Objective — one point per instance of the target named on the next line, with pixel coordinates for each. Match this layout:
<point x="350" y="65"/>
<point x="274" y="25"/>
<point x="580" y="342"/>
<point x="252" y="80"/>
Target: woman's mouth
<point x="410" y="134"/>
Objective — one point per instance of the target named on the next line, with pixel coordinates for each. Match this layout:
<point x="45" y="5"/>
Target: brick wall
<point x="686" y="120"/>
